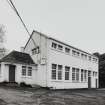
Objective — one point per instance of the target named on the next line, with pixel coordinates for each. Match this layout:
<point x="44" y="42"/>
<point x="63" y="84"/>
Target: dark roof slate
<point x="18" y="57"/>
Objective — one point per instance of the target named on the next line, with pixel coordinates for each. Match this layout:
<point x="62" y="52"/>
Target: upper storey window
<point x="78" y="53"/>
<point x="67" y="50"/>
<point x="75" y="53"/>
<point x="90" y="58"/>
<point x="95" y="60"/>
<point x="35" y="51"/>
<point x="60" y="47"/>
<point x="84" y="56"/>
<point x="54" y="45"/>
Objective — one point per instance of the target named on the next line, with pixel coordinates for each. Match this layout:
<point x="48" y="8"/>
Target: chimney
<point x="22" y="49"/>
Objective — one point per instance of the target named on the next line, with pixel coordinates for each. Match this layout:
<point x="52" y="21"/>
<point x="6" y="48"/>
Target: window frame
<point x="60" y="47"/>
<point x="52" y="72"/>
<point x="67" y="50"/>
<point x="82" y="75"/>
<point x="73" y="74"/>
<point x="35" y="51"/>
<point x="67" y="73"/>
<point x="29" y="73"/>
<point x="54" y="45"/>
<point x="85" y="75"/>
<point x="24" y="71"/>
<point x="77" y="74"/>
<point x="60" y="67"/>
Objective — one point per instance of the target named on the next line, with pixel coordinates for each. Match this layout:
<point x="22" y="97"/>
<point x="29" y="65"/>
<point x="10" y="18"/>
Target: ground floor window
<point x="0" y="69"/>
<point x="59" y="72"/>
<point x="67" y="70"/>
<point x="29" y="71"/>
<point x="75" y="74"/>
<point x="26" y="71"/>
<point x="81" y="75"/>
<point x="56" y="72"/>
<point x="54" y="67"/>
<point x="85" y="75"/>
<point x="89" y="73"/>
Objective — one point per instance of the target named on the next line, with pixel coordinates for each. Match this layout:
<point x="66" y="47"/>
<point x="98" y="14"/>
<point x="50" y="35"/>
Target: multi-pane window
<point x="59" y="72"/>
<point x="85" y="75"/>
<point x="95" y="60"/>
<point x="29" y="71"/>
<point x="84" y="56"/>
<point x="81" y="75"/>
<point x="35" y="51"/>
<point x="54" y="45"/>
<point x="96" y="74"/>
<point x="24" y="70"/>
<point x="78" y="53"/>
<point x="73" y="74"/>
<point x="89" y="58"/>
<point x="67" y="70"/>
<point x="60" y="47"/>
<point x="93" y="73"/>
<point x="73" y="52"/>
<point x="67" y="50"/>
<point x="54" y="67"/>
<point x="89" y="73"/>
<point x="77" y="74"/>
<point x="0" y="69"/>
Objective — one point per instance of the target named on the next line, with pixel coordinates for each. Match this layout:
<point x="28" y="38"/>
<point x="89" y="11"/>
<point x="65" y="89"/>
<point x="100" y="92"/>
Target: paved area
<point x="18" y="96"/>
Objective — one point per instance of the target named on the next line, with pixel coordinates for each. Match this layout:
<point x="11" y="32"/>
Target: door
<point x="89" y="82"/>
<point x="96" y="83"/>
<point x="11" y="73"/>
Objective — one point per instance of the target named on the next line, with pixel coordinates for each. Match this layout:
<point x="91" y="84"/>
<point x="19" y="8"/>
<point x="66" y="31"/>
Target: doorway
<point x="89" y="82"/>
<point x="12" y="73"/>
<point x="96" y="83"/>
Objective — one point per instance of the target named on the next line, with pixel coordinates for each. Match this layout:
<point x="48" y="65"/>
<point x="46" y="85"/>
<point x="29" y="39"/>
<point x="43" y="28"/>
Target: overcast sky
<point x="80" y="23"/>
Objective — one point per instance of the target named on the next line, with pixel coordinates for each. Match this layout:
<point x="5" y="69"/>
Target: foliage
<point x="23" y="84"/>
<point x="101" y="69"/>
<point x="2" y="33"/>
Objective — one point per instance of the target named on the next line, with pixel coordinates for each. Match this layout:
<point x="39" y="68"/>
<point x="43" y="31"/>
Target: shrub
<point x="23" y="84"/>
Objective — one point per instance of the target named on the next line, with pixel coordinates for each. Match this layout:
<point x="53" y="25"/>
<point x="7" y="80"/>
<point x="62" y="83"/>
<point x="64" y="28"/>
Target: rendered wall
<point x="58" y="57"/>
<point x="40" y="58"/>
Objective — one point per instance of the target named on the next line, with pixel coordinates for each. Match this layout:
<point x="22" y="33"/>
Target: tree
<point x="96" y="54"/>
<point x="2" y="33"/>
<point x="2" y="40"/>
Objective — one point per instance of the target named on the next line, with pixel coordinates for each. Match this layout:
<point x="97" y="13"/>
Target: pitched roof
<point x="18" y="57"/>
<point x="57" y="41"/>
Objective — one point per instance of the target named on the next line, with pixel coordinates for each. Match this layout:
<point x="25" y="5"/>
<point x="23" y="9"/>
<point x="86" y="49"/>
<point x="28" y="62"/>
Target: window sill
<point x="29" y="77"/>
<point x="57" y="81"/>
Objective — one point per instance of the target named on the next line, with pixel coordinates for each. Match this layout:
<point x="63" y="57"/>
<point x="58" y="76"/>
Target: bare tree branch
<point x="2" y="33"/>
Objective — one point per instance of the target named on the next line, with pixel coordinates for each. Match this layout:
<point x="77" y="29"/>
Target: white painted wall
<point x="4" y="72"/>
<point x="61" y="58"/>
<point x="27" y="79"/>
<point x="18" y="76"/>
<point x="40" y="58"/>
<point x="50" y="55"/>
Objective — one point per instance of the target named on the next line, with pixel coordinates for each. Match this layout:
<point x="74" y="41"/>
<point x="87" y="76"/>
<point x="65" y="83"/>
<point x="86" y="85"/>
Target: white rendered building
<point x="59" y="65"/>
